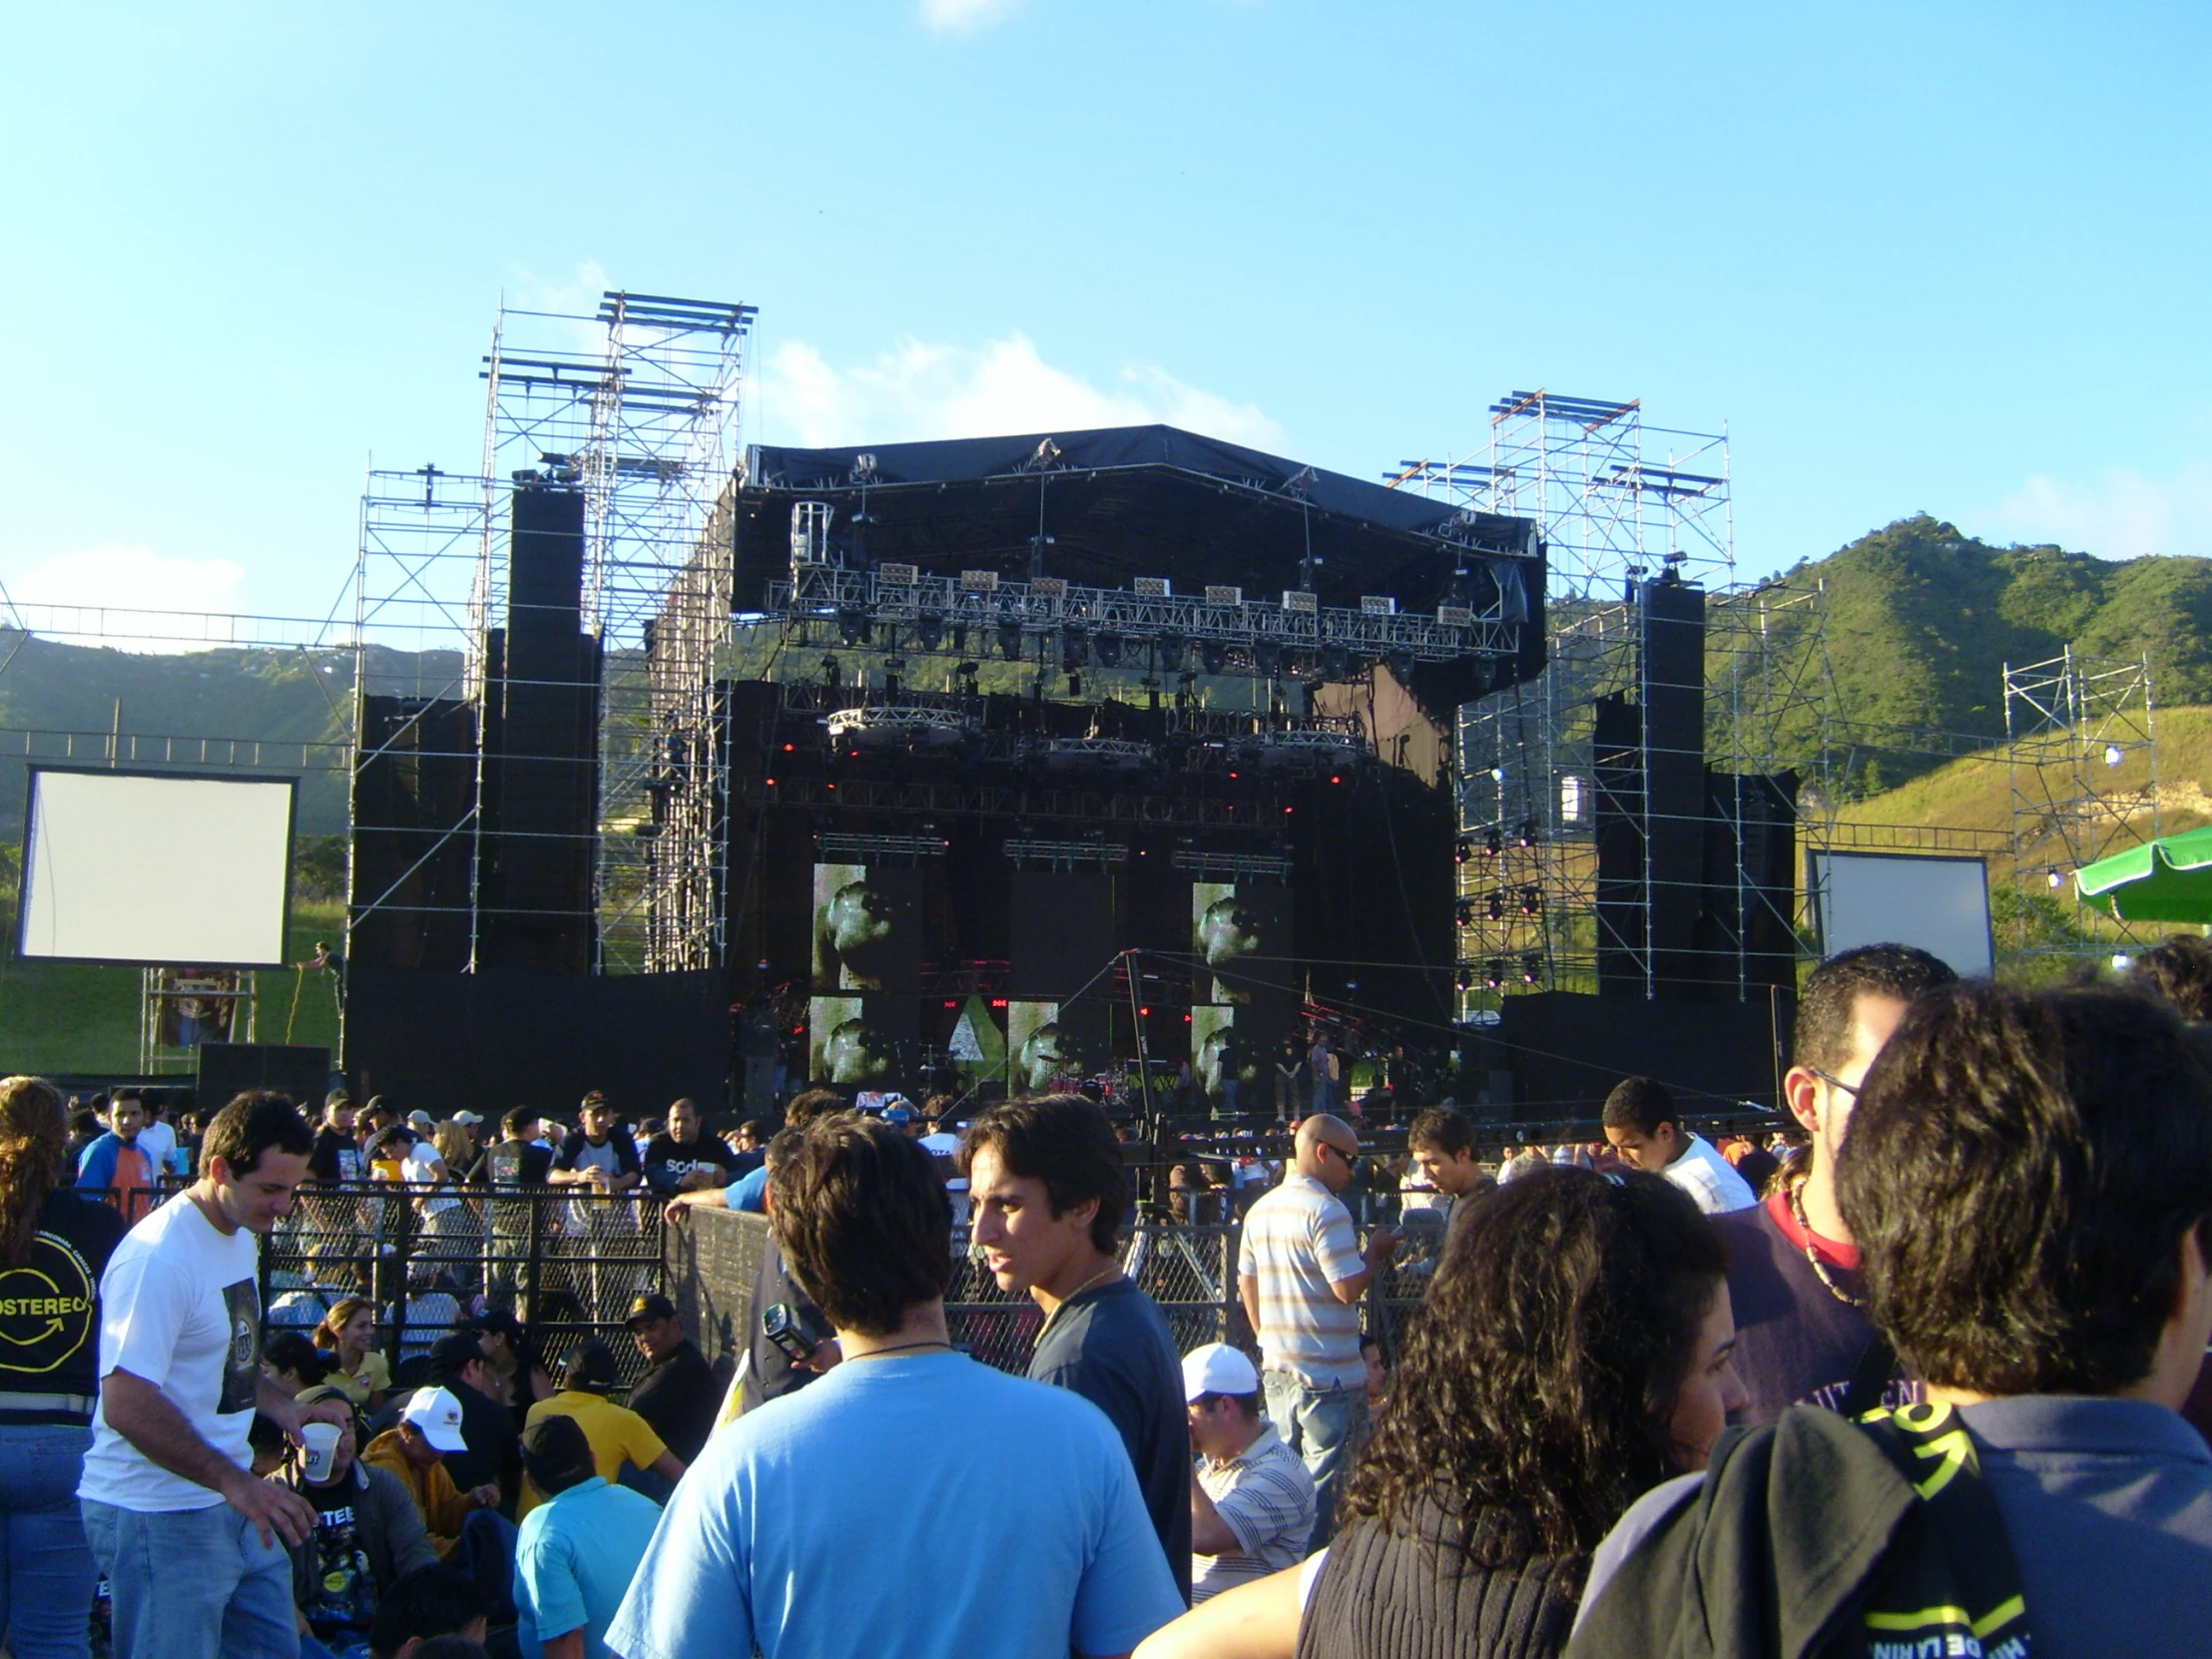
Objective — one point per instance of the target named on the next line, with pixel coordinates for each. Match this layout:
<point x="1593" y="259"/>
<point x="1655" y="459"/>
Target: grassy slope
<point x="63" y="1017"/>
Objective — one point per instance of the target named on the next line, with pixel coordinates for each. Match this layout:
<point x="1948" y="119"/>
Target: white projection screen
<point x="1941" y="903"/>
<point x="161" y="869"/>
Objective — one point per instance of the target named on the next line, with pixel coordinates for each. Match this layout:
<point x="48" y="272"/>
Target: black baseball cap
<point x="590" y="1366"/>
<point x="651" y="1305"/>
<point x="451" y="1355"/>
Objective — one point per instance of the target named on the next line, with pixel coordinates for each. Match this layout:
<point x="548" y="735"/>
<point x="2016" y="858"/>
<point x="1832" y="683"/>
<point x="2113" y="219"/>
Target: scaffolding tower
<point x="2082" y="753"/>
<point x="638" y="410"/>
<point x="1619" y="504"/>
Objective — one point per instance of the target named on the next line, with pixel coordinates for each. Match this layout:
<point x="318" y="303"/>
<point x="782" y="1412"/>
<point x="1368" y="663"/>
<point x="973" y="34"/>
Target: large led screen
<point x="860" y="1041"/>
<point x="1241" y="935"/>
<point x="1941" y="904"/>
<point x="868" y="929"/>
<point x="156" y="868"/>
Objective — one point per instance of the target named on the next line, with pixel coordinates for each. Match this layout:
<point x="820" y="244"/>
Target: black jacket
<point x="1821" y="1535"/>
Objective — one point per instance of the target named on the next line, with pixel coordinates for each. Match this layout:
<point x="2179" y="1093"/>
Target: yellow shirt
<point x="615" y="1431"/>
<point x="374" y="1376"/>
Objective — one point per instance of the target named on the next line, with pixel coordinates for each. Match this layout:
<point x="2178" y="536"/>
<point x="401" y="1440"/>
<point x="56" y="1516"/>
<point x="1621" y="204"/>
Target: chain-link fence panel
<point x="568" y="1265"/>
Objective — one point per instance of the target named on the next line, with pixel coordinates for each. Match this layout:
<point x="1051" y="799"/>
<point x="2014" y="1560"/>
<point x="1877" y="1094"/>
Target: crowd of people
<point x="1927" y="1385"/>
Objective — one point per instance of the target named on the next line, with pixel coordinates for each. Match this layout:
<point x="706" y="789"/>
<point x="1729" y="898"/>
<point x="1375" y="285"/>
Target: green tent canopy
<point x="2168" y="879"/>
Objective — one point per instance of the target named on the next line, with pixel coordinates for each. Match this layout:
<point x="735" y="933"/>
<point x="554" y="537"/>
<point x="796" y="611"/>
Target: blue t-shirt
<point x="574" y="1558"/>
<point x="749" y="1192"/>
<point x="798" y="1531"/>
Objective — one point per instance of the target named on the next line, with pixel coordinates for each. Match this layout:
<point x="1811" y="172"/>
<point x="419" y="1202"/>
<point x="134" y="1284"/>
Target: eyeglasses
<point x="1834" y="1082"/>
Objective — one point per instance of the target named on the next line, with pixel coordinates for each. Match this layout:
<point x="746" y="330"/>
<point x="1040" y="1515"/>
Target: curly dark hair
<point x="2179" y="971"/>
<point x="1534" y="1391"/>
<point x="2020" y="1174"/>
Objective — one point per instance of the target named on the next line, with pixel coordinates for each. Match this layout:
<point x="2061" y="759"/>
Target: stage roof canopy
<point x="1118" y="503"/>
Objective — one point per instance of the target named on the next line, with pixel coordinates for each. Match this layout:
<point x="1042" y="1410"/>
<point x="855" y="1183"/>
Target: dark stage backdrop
<point x="1064" y="930"/>
<point x="1566" y="1051"/>
<point x="509" y="1037"/>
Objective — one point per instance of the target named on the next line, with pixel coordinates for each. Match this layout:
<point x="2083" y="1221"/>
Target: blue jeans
<point x="190" y="1583"/>
<point x="1325" y="1427"/>
<point x="486" y="1553"/>
<point x="47" y="1577"/>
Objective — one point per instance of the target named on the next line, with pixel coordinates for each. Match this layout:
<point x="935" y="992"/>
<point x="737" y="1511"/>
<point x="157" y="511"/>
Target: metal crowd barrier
<point x="566" y="1261"/>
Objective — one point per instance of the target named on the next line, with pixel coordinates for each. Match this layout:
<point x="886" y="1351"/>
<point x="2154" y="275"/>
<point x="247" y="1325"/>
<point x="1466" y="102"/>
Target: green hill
<point x="1921" y="621"/>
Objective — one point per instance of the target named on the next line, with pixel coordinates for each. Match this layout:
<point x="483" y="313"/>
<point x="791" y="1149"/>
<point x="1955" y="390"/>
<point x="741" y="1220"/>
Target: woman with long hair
<point x="295" y="1363"/>
<point x="56" y="1245"/>
<point x="1573" y="1352"/>
<point x="363" y="1376"/>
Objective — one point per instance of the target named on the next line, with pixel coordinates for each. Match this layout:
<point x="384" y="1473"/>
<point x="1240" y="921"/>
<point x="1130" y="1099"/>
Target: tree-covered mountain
<point x="61" y="702"/>
<point x="1921" y="621"/>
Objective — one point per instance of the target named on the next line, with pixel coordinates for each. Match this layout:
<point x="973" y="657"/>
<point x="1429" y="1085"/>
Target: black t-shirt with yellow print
<point x="50" y="1304"/>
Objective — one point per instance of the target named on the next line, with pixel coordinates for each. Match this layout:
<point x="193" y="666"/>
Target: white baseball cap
<point x="438" y="1415"/>
<point x="471" y="1119"/>
<point x="1218" y="1368"/>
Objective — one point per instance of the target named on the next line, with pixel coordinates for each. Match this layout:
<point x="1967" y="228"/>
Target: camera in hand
<point x="779" y="1325"/>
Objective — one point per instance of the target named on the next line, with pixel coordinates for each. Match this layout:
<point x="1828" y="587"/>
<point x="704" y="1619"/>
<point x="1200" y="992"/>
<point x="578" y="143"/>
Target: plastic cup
<point x="321" y="1442"/>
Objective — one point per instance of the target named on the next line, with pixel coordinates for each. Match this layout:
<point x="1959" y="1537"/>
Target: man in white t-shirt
<point x="195" y="1550"/>
<point x="1644" y="1127"/>
<point x="158" y="1140"/>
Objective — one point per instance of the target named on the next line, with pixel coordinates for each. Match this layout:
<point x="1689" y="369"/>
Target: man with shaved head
<point x="1301" y="1275"/>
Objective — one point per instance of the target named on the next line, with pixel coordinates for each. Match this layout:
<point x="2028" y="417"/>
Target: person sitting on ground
<point x="1021" y="1495"/>
<point x="2029" y="1177"/>
<point x="578" y="1549"/>
<point x="1572" y="1354"/>
<point x="295" y="1363"/>
<point x="349" y="1334"/>
<point x="678" y="1392"/>
<point x="1802" y="1332"/>
<point x="617" y="1435"/>
<point x="1644" y="1127"/>
<point x="1252" y="1501"/>
<point x="368" y="1533"/>
<point x="493" y="1456"/>
<point x="421" y="1607"/>
<point x="414" y="1453"/>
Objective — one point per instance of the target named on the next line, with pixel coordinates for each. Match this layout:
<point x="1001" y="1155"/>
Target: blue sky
<point x="1915" y="256"/>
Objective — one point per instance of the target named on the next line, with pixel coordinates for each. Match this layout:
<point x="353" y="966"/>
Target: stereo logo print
<point x="45" y="1309"/>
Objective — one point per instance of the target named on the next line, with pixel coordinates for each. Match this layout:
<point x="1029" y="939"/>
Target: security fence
<point x="1190" y="1271"/>
<point x="566" y="1261"/>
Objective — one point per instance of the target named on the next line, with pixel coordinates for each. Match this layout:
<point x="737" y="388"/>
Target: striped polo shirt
<point x="1264" y="1497"/>
<point x="1297" y="1241"/>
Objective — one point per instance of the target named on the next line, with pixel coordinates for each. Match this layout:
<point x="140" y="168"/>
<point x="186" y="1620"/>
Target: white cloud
<point x="2121" y="515"/>
<point x="965" y="16"/>
<point x="99" y="596"/>
<point x="921" y="390"/>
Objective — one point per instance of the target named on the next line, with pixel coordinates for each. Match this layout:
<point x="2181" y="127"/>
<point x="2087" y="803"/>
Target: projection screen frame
<point x="1817" y="886"/>
<point x="35" y="769"/>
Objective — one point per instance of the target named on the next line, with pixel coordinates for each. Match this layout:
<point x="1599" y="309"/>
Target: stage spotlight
<point x="929" y="631"/>
<point x="853" y="624"/>
<point x="1493" y="845"/>
<point x="1493" y="973"/>
<point x="1335" y="663"/>
<point x="1465" y="979"/>
<point x="1267" y="658"/>
<point x="2054" y="880"/>
<point x="1171" y="651"/>
<point x="1108" y="647"/>
<point x="1497" y="905"/>
<point x="1527" y="834"/>
<point x="1531" y="968"/>
<point x="1463" y="912"/>
<point x="1009" y="639"/>
<point x="1401" y="667"/>
<point x="1213" y="656"/>
<point x="1461" y="852"/>
<point x="2113" y="754"/>
<point x="1075" y="647"/>
<point x="1531" y="900"/>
